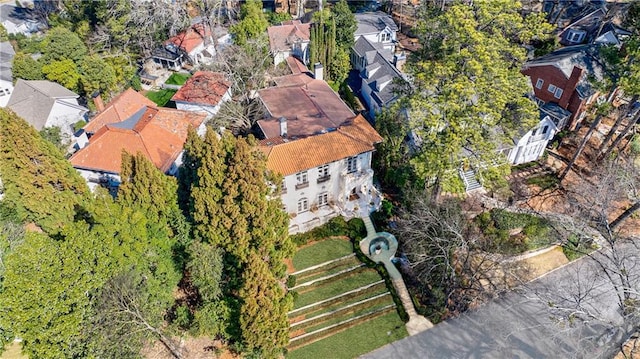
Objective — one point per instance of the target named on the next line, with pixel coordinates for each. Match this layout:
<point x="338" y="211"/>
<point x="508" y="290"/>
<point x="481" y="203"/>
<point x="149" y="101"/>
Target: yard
<point x="342" y="308"/>
<point x="161" y="97"/>
<point x="177" y="78"/>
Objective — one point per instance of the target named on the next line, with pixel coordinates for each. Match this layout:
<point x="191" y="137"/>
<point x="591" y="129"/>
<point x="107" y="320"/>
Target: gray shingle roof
<point x="373" y="22"/>
<point x="6" y="57"/>
<point x="382" y="81"/>
<point x="33" y="100"/>
<point x="365" y="48"/>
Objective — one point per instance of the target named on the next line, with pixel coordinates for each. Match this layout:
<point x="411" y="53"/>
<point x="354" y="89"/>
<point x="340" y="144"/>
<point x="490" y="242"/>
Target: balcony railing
<point x="302" y="185"/>
<point x="324" y="178"/>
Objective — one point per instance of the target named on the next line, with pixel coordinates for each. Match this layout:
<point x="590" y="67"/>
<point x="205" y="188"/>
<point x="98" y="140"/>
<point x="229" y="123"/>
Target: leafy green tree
<point x="26" y="68"/>
<point x="64" y="72"/>
<point x="468" y="92"/>
<point x="346" y="24"/>
<point x="38" y="181"/>
<point x="263" y="314"/>
<point x="276" y="18"/>
<point x="61" y="44"/>
<point x="252" y="24"/>
<point x="4" y="36"/>
<point x="96" y="74"/>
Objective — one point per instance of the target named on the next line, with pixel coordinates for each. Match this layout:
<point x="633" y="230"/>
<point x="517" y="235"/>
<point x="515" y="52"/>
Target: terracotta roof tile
<point x="190" y="38"/>
<point x="309" y="105"/>
<point x="204" y="88"/>
<point x="353" y="138"/>
<point x="119" y="109"/>
<point x="282" y="36"/>
<point x="158" y="133"/>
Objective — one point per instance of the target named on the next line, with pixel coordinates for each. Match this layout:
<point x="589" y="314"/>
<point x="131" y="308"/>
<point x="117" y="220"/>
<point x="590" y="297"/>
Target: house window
<point x="323" y="199"/>
<point x="303" y="205"/>
<point x="352" y="164"/>
<point x="576" y="36"/>
<point x="551" y="88"/>
<point x="545" y="129"/>
<point x="558" y="93"/>
<point x="323" y="173"/>
<point x="539" y="83"/>
<point x="302" y="180"/>
<point x="385" y="36"/>
<point x="283" y="186"/>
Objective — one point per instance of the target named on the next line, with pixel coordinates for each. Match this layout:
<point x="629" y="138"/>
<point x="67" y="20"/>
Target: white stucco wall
<point x="6" y="89"/>
<point x="532" y="145"/>
<point x="64" y="114"/>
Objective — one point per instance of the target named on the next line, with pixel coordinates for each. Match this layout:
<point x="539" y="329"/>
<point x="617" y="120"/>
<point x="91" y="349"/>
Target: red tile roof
<point x="289" y="157"/>
<point x="158" y="133"/>
<point x="282" y="36"/>
<point x="310" y="106"/>
<point x="190" y="38"/>
<point x="203" y="88"/>
<point x="119" y="109"/>
<point x="296" y="66"/>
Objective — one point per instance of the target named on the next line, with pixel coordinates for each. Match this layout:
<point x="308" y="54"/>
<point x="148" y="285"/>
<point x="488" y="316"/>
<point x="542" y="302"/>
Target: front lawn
<point x="161" y="97"/>
<point x="177" y="79"/>
<point x="355" y="341"/>
<point x="321" y="252"/>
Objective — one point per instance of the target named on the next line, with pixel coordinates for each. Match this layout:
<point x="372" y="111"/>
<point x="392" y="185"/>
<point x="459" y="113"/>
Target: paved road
<point x="523" y="325"/>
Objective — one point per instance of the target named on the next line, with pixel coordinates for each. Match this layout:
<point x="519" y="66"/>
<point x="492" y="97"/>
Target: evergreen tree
<point x="61" y="44"/>
<point x="26" y="68"/>
<point x="346" y="24"/>
<point x="253" y="22"/>
<point x="38" y="181"/>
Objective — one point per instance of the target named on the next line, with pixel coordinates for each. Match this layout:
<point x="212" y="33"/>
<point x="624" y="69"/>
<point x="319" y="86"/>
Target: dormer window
<point x="576" y="36"/>
<point x="385" y="37"/>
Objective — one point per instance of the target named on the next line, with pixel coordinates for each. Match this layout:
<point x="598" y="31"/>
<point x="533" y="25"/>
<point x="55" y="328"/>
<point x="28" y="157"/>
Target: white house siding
<point x="6" y="88"/>
<point x="338" y="188"/>
<point x="531" y="146"/>
<point x="95" y="178"/>
<point x="65" y="115"/>
<point x="378" y="37"/>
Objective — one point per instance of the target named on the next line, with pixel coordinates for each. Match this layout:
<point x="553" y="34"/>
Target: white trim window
<point x="303" y="205"/>
<point x="302" y="179"/>
<point x="323" y="173"/>
<point x="323" y="199"/>
<point x="539" y="83"/>
<point x="352" y="164"/>
<point x="551" y="88"/>
<point x="558" y="93"/>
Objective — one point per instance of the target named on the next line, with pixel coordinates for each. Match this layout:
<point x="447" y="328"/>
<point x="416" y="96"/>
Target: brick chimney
<point x="97" y="100"/>
<point x="568" y="90"/>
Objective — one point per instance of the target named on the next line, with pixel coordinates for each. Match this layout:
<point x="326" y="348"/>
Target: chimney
<point x="97" y="100"/>
<point x="283" y="126"/>
<point x="318" y="71"/>
<point x="568" y="90"/>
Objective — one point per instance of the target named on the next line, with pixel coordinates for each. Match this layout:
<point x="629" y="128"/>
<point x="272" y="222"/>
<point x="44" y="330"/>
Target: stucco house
<point x="203" y="92"/>
<point x="377" y="27"/>
<point x="564" y="77"/>
<point x="6" y="78"/>
<point x="47" y="104"/>
<point x="158" y="133"/>
<point x="193" y="46"/>
<point x="291" y="38"/>
<point x="323" y="151"/>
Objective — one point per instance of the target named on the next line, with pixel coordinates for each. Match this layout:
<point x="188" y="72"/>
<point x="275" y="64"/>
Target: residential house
<point x="377" y="27"/>
<point x="6" y="78"/>
<point x="158" y="133"/>
<point x="321" y="148"/>
<point x="193" y="46"/>
<point x="564" y="77"/>
<point x="289" y="39"/>
<point x="47" y="104"/>
<point x="21" y="20"/>
<point x="529" y="145"/>
<point x="203" y="92"/>
<point x="379" y="77"/>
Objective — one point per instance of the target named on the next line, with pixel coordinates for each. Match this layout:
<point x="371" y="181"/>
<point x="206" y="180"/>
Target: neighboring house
<point x="203" y="92"/>
<point x="326" y="175"/>
<point x="300" y="106"/>
<point x="20" y="20"/>
<point x="530" y="146"/>
<point x="377" y="27"/>
<point x="379" y="77"/>
<point x="322" y="149"/>
<point x="289" y="39"/>
<point x="158" y="133"/>
<point x="593" y="28"/>
<point x="194" y="46"/>
<point x="47" y="104"/>
<point x="563" y="77"/>
<point x="6" y="77"/>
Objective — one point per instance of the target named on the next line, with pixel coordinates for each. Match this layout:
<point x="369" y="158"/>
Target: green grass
<point x="328" y="270"/>
<point x="161" y="97"/>
<point x="321" y="252"/>
<point x="544" y="181"/>
<point x="347" y="314"/>
<point x="333" y="288"/>
<point x="177" y="79"/>
<point x="355" y="341"/>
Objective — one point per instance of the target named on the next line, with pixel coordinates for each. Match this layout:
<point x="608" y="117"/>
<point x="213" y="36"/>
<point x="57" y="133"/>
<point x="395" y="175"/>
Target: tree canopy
<point x="253" y="22"/>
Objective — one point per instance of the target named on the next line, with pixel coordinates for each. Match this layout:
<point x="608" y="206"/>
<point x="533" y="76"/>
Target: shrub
<point x="291" y="281"/>
<point x="335" y="227"/>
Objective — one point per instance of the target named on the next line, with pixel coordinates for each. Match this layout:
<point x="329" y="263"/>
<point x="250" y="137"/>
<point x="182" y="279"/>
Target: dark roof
<point x="373" y="22"/>
<point x="6" y="58"/>
<point x="365" y="48"/>
<point x="167" y="52"/>
<point x="383" y="76"/>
